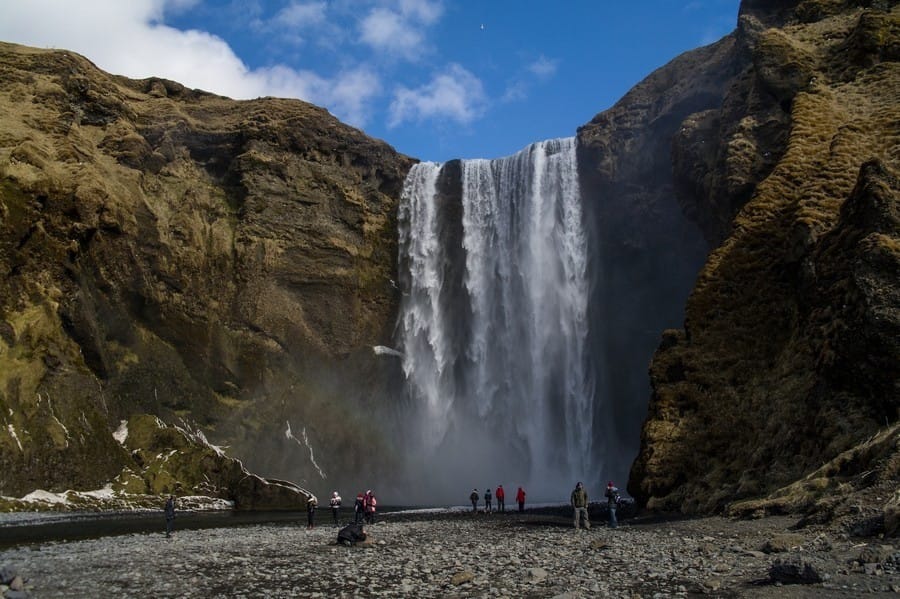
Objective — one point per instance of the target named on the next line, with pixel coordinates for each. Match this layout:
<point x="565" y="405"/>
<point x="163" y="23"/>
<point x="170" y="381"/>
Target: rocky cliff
<point x="790" y="351"/>
<point x="171" y="252"/>
<point x="229" y="265"/>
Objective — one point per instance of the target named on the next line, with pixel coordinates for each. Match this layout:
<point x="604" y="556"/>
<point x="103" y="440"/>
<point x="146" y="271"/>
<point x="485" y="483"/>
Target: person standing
<point x="335" y="506"/>
<point x="487" y="500"/>
<point x="520" y="499"/>
<point x="501" y="499"/>
<point x="311" y="505"/>
<point x="170" y="515"/>
<point x="612" y="502"/>
<point x="473" y="497"/>
<point x="359" y="507"/>
<point x="579" y="501"/>
<point x="370" y="503"/>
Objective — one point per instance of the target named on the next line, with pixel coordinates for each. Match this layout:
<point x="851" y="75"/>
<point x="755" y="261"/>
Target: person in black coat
<point x="311" y="505"/>
<point x="170" y="515"/>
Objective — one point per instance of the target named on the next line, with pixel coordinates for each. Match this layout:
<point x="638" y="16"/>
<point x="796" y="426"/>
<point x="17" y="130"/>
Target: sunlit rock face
<point x="171" y="252"/>
<point x="493" y="323"/>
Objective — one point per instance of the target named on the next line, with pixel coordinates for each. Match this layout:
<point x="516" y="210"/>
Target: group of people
<point x="500" y="494"/>
<point x="363" y="509"/>
<point x="579" y="503"/>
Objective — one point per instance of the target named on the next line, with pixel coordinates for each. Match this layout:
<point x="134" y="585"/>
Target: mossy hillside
<point x="199" y="252"/>
<point x="765" y="384"/>
<point x="858" y="487"/>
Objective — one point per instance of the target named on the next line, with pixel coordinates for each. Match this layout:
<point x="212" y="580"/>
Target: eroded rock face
<point x="645" y="250"/>
<point x="168" y="251"/>
<point x="789" y="354"/>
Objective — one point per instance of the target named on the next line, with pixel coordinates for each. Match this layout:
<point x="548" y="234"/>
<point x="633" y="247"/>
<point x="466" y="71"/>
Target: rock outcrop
<point x="171" y="252"/>
<point x="790" y="351"/>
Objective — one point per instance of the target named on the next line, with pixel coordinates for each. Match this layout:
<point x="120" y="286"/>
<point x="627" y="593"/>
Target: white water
<point x="496" y="359"/>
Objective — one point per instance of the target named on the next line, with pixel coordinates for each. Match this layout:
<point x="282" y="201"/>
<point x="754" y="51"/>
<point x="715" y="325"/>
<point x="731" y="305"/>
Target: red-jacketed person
<point x="370" y="503"/>
<point x="501" y="498"/>
<point x="520" y="499"/>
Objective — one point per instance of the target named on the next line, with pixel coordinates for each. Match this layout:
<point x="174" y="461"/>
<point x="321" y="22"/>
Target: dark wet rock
<point x="794" y="570"/>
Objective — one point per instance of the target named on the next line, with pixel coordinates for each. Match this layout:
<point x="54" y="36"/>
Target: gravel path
<point x="461" y="555"/>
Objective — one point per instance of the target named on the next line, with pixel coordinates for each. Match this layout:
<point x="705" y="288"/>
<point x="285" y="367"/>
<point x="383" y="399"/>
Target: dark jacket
<point x="352" y="533"/>
<point x="170" y="509"/>
<point x="612" y="497"/>
<point x="579" y="497"/>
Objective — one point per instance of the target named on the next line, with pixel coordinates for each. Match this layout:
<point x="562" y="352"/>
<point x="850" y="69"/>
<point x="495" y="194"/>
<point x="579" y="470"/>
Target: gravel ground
<point x="465" y="555"/>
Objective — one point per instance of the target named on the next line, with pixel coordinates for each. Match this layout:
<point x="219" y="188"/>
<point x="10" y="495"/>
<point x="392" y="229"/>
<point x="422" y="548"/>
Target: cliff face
<point x="645" y="250"/>
<point x="790" y="351"/>
<point x="177" y="253"/>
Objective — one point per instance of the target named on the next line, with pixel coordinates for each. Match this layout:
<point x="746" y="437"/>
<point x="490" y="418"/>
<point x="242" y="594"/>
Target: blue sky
<point x="437" y="79"/>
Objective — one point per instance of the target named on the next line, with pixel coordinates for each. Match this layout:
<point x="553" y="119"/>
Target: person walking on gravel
<point x="311" y="505"/>
<point x="612" y="502"/>
<point x="520" y="499"/>
<point x="170" y="515"/>
<point x="335" y="506"/>
<point x="370" y="502"/>
<point x="579" y="501"/>
<point x="359" y="507"/>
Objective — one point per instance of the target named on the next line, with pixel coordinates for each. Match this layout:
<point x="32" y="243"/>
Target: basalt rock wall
<point x="167" y="251"/>
<point x="788" y="356"/>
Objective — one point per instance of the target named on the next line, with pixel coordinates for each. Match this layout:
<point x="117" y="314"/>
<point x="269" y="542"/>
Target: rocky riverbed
<point x="466" y="555"/>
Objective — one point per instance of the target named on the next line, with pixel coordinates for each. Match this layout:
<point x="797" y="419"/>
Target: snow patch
<point x="312" y="458"/>
<point x="46" y="497"/>
<point x="104" y="493"/>
<point x="12" y="433"/>
<point x="122" y="432"/>
<point x="383" y="350"/>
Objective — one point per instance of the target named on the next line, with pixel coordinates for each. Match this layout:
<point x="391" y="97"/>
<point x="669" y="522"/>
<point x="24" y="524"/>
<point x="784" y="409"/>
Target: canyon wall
<point x="790" y="350"/>
<point x="167" y="251"/>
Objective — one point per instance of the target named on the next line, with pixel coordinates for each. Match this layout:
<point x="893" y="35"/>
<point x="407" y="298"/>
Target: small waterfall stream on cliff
<point x="493" y="323"/>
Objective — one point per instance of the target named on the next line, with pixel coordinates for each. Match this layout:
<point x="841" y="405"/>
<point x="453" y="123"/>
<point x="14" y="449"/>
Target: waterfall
<point x="493" y="323"/>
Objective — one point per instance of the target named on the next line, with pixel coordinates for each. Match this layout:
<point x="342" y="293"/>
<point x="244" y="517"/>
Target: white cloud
<point x="388" y="32"/>
<point x="301" y="15"/>
<point x="543" y="67"/>
<point x="126" y="38"/>
<point x="426" y="12"/>
<point x="455" y="95"/>
<point x="398" y="29"/>
<point x="351" y="94"/>
<point x="540" y="70"/>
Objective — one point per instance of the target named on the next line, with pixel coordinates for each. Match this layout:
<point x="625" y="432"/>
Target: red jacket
<point x="500" y="494"/>
<point x="520" y="496"/>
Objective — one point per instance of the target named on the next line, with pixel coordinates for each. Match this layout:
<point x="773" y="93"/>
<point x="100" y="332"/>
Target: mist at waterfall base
<point x="501" y="383"/>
